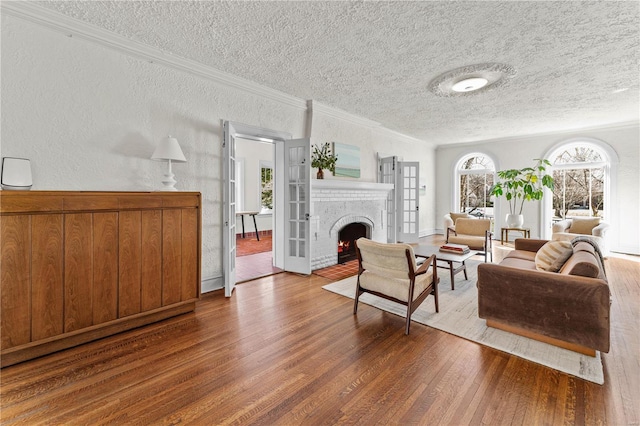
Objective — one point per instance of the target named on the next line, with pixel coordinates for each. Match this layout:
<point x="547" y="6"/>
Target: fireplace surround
<point x="338" y="203"/>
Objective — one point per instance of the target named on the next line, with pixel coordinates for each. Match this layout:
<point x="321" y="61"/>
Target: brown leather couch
<point x="568" y="308"/>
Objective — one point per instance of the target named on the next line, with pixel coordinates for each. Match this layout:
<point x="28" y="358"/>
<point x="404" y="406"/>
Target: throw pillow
<point x="456" y="216"/>
<point x="583" y="225"/>
<point x="553" y="255"/>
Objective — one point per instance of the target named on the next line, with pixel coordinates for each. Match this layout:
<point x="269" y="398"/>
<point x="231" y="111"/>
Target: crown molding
<point x="567" y="132"/>
<point x="315" y="106"/>
<point x="406" y="138"/>
<point x="74" y="28"/>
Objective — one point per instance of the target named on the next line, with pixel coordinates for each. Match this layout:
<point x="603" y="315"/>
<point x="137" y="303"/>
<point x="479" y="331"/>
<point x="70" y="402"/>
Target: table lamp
<point x="169" y="150"/>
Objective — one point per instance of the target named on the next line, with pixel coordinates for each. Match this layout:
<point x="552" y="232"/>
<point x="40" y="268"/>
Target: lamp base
<point x="169" y="182"/>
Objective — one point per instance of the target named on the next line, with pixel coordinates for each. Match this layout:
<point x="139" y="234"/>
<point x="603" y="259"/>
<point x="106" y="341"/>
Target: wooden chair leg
<point x="356" y="297"/>
<point x="435" y="296"/>
<point x="406" y="331"/>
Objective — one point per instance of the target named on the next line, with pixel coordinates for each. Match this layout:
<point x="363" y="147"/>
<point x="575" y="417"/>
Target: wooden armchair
<point x="390" y="271"/>
<point x="475" y="233"/>
<point x="450" y="222"/>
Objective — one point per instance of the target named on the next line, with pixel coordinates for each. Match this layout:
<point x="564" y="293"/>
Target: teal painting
<point x="348" y="163"/>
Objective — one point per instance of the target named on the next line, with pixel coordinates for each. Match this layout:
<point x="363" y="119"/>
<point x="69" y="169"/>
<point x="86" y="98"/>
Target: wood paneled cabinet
<point x="78" y="266"/>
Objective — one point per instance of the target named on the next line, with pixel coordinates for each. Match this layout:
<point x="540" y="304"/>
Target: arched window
<point x="475" y="176"/>
<point x="580" y="173"/>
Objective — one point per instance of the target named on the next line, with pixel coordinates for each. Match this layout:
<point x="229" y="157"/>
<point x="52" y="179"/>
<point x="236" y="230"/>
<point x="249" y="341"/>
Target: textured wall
<point x="89" y="118"/>
<point x="624" y="216"/>
<point x="373" y="141"/>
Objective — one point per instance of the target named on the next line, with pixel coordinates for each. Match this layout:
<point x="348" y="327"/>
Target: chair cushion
<point x="552" y="256"/>
<point x="387" y="260"/>
<point x="474" y="243"/>
<point x="476" y="227"/>
<point x="583" y="225"/>
<point x="456" y="216"/>
<point x="394" y="287"/>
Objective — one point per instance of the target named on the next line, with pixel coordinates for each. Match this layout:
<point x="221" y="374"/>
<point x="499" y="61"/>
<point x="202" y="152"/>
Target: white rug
<point x="459" y="316"/>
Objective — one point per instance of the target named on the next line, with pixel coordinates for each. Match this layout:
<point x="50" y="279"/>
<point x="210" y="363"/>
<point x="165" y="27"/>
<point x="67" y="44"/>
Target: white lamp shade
<point x="169" y="149"/>
<point x="16" y="173"/>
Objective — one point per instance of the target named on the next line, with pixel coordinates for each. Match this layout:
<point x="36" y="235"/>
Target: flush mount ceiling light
<point x="470" y="84"/>
<point x="471" y="79"/>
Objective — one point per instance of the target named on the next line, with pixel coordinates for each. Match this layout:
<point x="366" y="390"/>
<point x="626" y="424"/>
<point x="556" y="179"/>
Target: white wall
<point x="89" y="118"/>
<point x="624" y="215"/>
<point x="372" y="139"/>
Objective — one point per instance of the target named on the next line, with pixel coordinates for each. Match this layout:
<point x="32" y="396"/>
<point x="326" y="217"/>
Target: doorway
<point x="255" y="175"/>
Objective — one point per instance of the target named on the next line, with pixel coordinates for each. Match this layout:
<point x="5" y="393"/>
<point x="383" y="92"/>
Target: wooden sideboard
<point x="78" y="266"/>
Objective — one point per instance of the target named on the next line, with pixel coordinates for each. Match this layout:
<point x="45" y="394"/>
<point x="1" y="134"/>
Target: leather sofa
<point x="568" y="308"/>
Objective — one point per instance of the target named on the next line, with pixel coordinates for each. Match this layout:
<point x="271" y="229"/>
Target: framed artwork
<point x="348" y="163"/>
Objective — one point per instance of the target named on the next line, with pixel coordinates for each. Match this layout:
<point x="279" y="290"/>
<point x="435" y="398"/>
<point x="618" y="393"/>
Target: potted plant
<point x="323" y="158"/>
<point x="520" y="185"/>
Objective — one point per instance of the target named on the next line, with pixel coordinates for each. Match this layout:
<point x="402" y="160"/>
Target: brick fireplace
<point x="335" y="204"/>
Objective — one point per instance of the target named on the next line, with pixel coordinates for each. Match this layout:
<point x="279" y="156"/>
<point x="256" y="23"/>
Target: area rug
<point x="250" y="245"/>
<point x="459" y="316"/>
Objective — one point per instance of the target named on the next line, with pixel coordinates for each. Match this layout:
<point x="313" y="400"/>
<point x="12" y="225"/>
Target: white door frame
<point x="234" y="130"/>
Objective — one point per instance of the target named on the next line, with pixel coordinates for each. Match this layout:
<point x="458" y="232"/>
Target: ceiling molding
<point x="330" y="111"/>
<point x="404" y="138"/>
<point x="74" y="28"/>
<point x="569" y="132"/>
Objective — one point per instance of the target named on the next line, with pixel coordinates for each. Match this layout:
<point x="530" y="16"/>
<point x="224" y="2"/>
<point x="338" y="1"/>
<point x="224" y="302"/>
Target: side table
<point x="504" y="233"/>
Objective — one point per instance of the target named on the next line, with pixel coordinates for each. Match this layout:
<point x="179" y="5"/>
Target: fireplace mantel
<point x="349" y="184"/>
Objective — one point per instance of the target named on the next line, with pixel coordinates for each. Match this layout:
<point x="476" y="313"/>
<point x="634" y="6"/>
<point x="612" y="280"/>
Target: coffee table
<point x="426" y="250"/>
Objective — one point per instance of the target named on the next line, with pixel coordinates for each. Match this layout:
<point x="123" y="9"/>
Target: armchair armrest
<point x="448" y="222"/>
<point x="431" y="260"/>
<point x="600" y="230"/>
<point x="561" y="226"/>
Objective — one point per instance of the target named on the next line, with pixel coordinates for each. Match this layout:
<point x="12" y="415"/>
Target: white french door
<point x="297" y="162"/>
<point x="407" y="193"/>
<point x="229" y="209"/>
<point x="387" y="174"/>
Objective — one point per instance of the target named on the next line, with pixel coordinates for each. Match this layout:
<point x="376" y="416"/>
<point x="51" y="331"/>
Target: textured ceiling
<point x="376" y="59"/>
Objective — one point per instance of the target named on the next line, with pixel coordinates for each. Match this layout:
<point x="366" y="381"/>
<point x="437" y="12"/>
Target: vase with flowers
<point x="323" y="158"/>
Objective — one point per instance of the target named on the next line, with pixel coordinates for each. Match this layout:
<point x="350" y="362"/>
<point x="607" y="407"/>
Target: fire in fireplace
<point x="346" y="240"/>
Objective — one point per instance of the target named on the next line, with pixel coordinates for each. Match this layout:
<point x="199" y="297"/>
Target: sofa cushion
<point x="553" y="255"/>
<point x="514" y="262"/>
<point x="522" y="254"/>
<point x="583" y="225"/>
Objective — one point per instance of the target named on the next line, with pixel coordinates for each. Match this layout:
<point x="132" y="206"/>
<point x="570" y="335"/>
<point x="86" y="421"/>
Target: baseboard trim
<point x="212" y="284"/>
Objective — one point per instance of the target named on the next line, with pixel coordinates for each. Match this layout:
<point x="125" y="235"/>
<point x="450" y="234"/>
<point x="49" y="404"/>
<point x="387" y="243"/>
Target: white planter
<point x="515" y="220"/>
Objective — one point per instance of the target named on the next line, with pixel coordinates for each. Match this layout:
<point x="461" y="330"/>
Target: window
<point x="579" y="173"/>
<point x="475" y="177"/>
<point x="266" y="186"/>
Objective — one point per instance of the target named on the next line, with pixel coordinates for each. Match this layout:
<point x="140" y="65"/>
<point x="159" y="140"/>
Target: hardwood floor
<point x="284" y="351"/>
